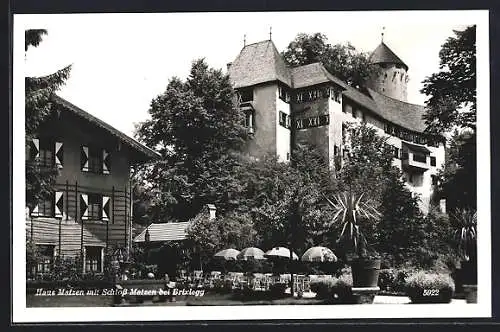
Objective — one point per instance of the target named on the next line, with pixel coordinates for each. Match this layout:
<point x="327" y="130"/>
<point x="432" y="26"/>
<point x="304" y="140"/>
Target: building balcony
<point x="415" y="158"/>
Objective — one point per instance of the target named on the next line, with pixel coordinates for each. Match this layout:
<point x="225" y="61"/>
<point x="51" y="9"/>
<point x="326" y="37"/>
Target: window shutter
<point x="106" y="167"/>
<point x="59" y="204"/>
<point x="59" y="155"/>
<point x="84" y="158"/>
<point x="105" y="207"/>
<point x="84" y="206"/>
<point x="35" y="149"/>
<point x="34" y="212"/>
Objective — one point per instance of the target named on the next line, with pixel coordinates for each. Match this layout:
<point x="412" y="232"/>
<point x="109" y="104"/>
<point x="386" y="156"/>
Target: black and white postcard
<point x="251" y="165"/>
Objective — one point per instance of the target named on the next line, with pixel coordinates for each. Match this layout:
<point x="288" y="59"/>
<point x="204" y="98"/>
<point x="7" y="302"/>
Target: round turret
<point x="392" y="78"/>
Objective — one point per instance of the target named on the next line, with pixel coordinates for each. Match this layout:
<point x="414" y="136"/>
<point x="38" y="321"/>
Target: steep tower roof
<point x="383" y="54"/>
<point x="259" y="63"/>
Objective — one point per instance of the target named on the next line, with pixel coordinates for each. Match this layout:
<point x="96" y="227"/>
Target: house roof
<point x="172" y="231"/>
<point x="259" y="63"/>
<point x="383" y="54"/>
<point x="312" y="74"/>
<point x="133" y="144"/>
<point x="398" y="112"/>
<point x="361" y="98"/>
<point x="416" y="147"/>
<point x="403" y="114"/>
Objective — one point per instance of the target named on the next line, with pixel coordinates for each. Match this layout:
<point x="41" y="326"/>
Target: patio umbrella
<point x="281" y="252"/>
<point x="227" y="254"/>
<point x="251" y="253"/>
<point x="319" y="254"/>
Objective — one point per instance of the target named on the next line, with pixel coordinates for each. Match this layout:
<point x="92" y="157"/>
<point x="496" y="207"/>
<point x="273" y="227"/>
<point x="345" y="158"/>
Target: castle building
<point x="90" y="208"/>
<point x="286" y="106"/>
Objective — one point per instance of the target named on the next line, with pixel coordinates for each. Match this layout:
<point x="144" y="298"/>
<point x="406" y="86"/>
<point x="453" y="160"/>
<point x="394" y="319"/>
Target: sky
<point x="120" y="62"/>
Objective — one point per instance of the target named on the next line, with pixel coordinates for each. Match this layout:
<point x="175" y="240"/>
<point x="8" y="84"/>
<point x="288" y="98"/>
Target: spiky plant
<point x="348" y="209"/>
<point x="465" y="221"/>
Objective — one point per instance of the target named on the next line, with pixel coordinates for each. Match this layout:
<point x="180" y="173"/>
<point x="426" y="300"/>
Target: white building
<point x="285" y="106"/>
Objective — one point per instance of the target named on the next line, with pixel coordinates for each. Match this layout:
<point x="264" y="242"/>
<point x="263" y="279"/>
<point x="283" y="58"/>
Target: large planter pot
<point x="457" y="277"/>
<point x="468" y="273"/>
<point x="365" y="272"/>
<point x="470" y="293"/>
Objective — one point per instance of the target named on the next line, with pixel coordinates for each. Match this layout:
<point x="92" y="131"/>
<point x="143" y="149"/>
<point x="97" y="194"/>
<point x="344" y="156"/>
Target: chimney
<point x="211" y="209"/>
<point x="229" y="65"/>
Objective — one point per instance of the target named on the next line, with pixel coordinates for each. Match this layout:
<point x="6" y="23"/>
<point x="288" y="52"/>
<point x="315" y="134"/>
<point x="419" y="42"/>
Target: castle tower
<point x="392" y="77"/>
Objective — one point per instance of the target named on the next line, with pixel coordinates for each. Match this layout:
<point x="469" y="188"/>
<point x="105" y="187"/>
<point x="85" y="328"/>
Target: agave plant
<point x="348" y="208"/>
<point x="466" y="233"/>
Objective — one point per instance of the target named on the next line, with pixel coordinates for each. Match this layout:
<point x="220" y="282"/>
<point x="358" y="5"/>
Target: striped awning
<point x="174" y="231"/>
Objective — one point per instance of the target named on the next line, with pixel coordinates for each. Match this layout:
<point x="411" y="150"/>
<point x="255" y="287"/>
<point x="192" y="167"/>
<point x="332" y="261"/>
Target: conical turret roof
<point x="383" y="54"/>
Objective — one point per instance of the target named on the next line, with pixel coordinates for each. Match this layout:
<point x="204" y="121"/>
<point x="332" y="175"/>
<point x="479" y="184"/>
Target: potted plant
<point x="465" y="223"/>
<point x="429" y="287"/>
<point x="349" y="208"/>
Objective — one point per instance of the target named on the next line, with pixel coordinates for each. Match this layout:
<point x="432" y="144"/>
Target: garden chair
<point x="197" y="275"/>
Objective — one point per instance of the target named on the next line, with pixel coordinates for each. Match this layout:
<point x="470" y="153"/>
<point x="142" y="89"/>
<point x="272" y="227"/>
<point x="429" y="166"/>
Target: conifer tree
<point x="38" y="107"/>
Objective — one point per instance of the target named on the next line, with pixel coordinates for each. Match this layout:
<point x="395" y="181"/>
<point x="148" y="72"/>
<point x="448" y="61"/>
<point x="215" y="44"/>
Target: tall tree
<point x="369" y="169"/>
<point x="342" y="61"/>
<point x="38" y="107"/>
<point x="452" y="105"/>
<point x="452" y="90"/>
<point x="198" y="131"/>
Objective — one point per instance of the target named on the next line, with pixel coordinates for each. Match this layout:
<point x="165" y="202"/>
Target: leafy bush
<point x="277" y="289"/>
<point x="386" y="279"/>
<point x="323" y="288"/>
<point x="428" y="287"/>
<point x="394" y="279"/>
<point x="333" y="288"/>
<point x="342" y="288"/>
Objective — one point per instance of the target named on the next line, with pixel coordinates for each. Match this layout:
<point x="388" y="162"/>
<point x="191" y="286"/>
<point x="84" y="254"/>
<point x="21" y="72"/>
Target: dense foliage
<point x="342" y="61"/>
<point x="452" y="105"/>
<point x="196" y="128"/>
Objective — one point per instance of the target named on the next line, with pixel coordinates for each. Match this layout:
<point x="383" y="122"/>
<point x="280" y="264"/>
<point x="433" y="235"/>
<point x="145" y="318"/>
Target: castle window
<point x="245" y="95"/>
<point x="421" y="158"/>
<point x="433" y="161"/>
<point x="337" y="96"/>
<point x="434" y="180"/>
<point x="284" y="119"/>
<point x="396" y="152"/>
<point x="249" y="121"/>
<point x="284" y="94"/>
